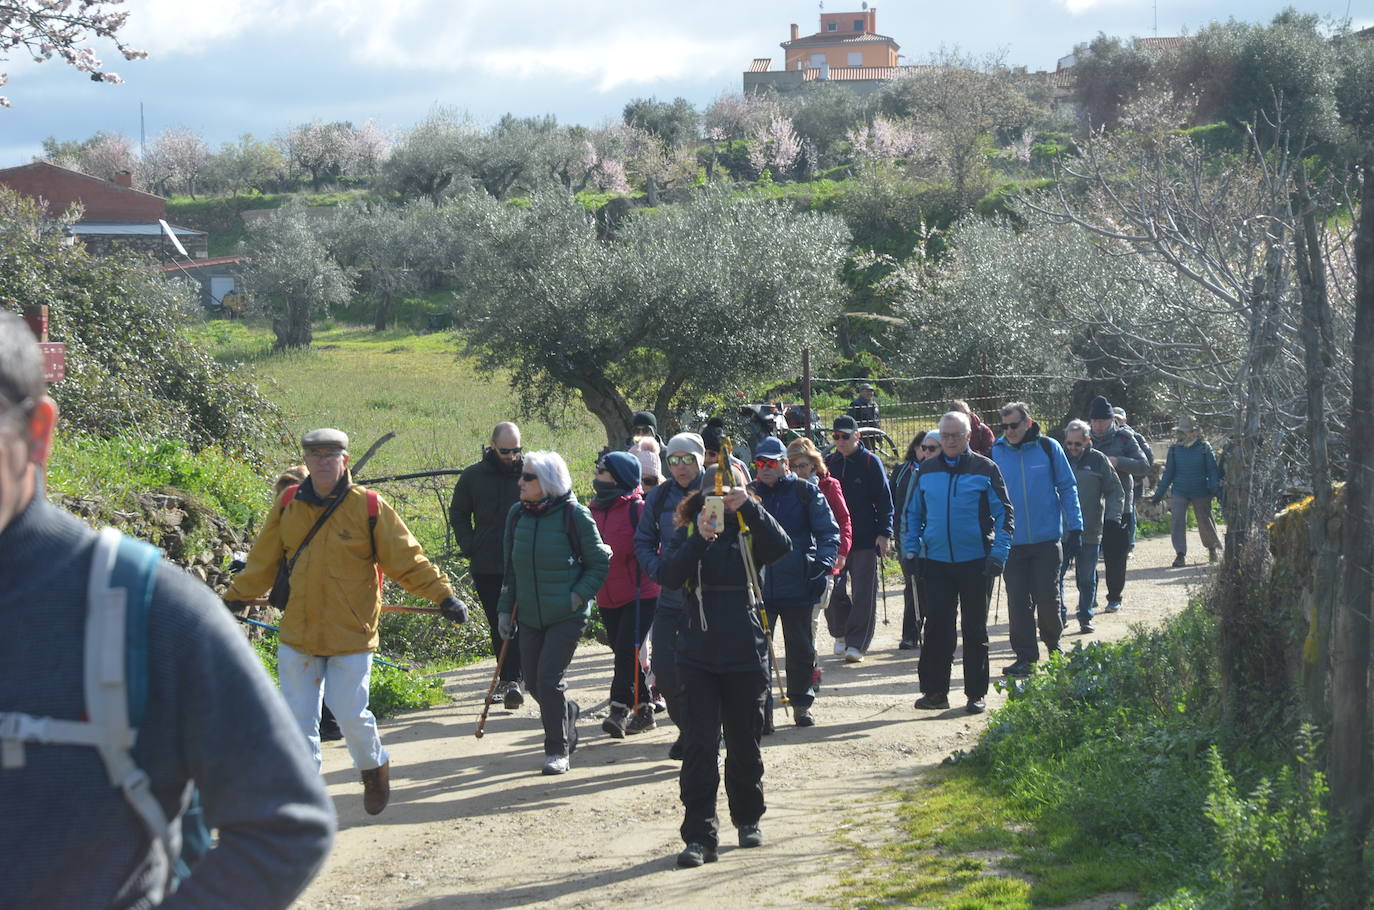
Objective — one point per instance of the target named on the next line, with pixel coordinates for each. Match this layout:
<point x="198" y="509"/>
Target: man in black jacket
<point x="483" y="495"/>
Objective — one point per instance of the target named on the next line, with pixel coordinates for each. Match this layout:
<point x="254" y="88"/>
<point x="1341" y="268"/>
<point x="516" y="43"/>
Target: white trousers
<point x="343" y="681"/>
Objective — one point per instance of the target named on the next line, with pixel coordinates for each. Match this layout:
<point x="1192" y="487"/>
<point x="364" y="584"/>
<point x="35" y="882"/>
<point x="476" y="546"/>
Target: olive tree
<point x="292" y="275"/>
<point x="683" y="302"/>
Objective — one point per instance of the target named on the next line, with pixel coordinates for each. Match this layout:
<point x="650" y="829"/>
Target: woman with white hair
<point x="555" y="563"/>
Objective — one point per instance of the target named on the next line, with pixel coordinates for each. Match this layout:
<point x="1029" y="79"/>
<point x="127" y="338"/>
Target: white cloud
<point x="1078" y="7"/>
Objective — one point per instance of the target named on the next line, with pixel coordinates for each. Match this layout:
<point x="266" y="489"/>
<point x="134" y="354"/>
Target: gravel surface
<point x="472" y="823"/>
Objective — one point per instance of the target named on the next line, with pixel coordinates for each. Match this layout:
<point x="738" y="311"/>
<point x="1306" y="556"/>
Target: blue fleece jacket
<point x="958" y="512"/>
<point x="1041" y="486"/>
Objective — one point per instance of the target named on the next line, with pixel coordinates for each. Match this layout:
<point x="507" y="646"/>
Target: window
<point x="832" y="26"/>
<point x="856" y="58"/>
<point x="858" y="25"/>
<point x="817" y="59"/>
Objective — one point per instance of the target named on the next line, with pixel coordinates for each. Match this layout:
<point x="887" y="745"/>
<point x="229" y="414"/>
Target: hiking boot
<point x="802" y="717"/>
<point x="906" y="644"/>
<point x="839" y="647"/>
<point x="513" y="698"/>
<point x="614" y="725"/>
<point x="695" y="854"/>
<point x="377" y="788"/>
<point x="976" y="706"/>
<point x="677" y="751"/>
<point x="1180" y="561"/>
<point x="933" y="702"/>
<point x="497" y="693"/>
<point x="750" y="836"/>
<point x="642" y="720"/>
<point x="1021" y="668"/>
<point x="556" y="764"/>
<point x="1085" y="628"/>
<point x="853" y="656"/>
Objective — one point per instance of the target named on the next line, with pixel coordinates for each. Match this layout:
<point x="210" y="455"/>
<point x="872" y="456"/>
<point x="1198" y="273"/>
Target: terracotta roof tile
<point x="826" y="38"/>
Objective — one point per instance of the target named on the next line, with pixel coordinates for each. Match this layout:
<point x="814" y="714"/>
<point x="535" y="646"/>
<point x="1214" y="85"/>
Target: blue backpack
<point x="115" y="678"/>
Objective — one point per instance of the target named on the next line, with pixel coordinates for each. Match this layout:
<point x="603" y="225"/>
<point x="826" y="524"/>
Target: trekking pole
<point x="997" y="603"/>
<point x="638" y="642"/>
<point x="263" y="625"/>
<point x="386" y="608"/>
<point x="755" y="591"/>
<point x="496" y="676"/>
<point x="882" y="581"/>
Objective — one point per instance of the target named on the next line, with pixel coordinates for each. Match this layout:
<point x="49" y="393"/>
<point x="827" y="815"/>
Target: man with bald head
<point x="483" y="495"/>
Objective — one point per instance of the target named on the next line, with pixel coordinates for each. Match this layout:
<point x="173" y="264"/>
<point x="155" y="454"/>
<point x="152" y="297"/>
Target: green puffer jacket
<point x="542" y="572"/>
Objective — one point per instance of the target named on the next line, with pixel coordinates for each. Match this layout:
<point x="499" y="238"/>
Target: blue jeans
<point x="1085" y="576"/>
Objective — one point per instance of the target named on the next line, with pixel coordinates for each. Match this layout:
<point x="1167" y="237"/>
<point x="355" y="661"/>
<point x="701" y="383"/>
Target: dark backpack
<point x="574" y="541"/>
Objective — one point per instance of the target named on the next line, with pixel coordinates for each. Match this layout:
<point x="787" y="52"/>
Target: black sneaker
<point x="513" y="698"/>
<point x="677" y="751"/>
<point x="1021" y="668"/>
<point x="614" y="725"/>
<point x="976" y="706"/>
<point x="642" y="720"/>
<point x="906" y="644"/>
<point x="1085" y="628"/>
<point x="750" y="836"/>
<point x="933" y="702"/>
<point x="1180" y="561"/>
<point x="694" y="854"/>
<point x="329" y="729"/>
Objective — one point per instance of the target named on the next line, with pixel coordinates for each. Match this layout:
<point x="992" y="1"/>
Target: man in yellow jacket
<point x="330" y="624"/>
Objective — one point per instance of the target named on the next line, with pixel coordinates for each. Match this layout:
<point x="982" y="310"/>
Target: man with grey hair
<point x="1120" y="446"/>
<point x="955" y="537"/>
<point x="1100" y="499"/>
<point x="1042" y="489"/>
<point x="212" y="719"/>
<point x="482" y="498"/>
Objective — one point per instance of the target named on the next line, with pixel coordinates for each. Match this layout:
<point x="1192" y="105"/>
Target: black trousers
<point x="800" y="661"/>
<point x="547" y="653"/>
<point x="732" y="702"/>
<point x="488" y="587"/>
<point x="1116" y="548"/>
<point x="1032" y="578"/>
<point x="913" y="608"/>
<point x="955" y="588"/>
<point x="620" y="630"/>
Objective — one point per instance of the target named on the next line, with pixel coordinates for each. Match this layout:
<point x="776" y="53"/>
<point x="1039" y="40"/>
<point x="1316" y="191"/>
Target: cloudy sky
<point x="226" y="67"/>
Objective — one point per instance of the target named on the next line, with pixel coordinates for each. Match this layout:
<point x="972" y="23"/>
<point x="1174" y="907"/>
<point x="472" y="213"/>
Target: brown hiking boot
<point x="376" y="788"/>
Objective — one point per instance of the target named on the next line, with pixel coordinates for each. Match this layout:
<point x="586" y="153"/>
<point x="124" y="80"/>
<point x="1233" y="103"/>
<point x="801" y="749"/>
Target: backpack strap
<point x="1049" y="456"/>
<point x="373" y="508"/>
<point x="289" y="494"/>
<point x="574" y="539"/>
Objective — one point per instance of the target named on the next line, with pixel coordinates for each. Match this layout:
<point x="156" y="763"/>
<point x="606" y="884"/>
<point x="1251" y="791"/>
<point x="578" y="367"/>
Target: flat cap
<point x="326" y="437"/>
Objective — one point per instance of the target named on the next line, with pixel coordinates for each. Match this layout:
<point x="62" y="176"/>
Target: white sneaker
<point x="839" y="647"/>
<point x="853" y="655"/>
<point x="556" y="764"/>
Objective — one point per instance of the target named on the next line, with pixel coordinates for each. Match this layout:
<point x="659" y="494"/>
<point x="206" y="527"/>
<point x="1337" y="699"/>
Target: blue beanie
<point x="624" y="467"/>
<point x="1100" y="409"/>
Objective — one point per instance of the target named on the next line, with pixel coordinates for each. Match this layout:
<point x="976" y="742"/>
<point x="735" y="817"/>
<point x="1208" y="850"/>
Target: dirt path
<point x="472" y="823"/>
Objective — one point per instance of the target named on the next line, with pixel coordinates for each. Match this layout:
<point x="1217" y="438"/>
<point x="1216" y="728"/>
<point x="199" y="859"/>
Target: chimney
<point x="124" y="179"/>
<point x="795" y="31"/>
<point x="873" y="21"/>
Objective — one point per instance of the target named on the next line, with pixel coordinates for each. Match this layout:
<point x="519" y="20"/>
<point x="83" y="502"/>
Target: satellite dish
<point x="865" y="4"/>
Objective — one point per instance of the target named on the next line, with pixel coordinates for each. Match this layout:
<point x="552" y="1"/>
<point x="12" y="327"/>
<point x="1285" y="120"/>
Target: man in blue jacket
<point x="795" y="582"/>
<point x="956" y="533"/>
<point x="685" y="455"/>
<point x="1044" y="493"/>
<point x="854" y="605"/>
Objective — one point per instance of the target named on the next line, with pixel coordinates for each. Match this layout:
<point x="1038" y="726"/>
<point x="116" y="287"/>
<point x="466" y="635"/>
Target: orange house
<point x="845" y="39"/>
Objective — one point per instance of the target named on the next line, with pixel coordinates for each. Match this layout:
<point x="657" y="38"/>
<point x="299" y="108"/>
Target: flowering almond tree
<point x="44" y="29"/>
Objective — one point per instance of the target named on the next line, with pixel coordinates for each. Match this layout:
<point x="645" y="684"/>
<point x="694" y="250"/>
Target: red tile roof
<point x="821" y="39"/>
<point x="1160" y="45"/>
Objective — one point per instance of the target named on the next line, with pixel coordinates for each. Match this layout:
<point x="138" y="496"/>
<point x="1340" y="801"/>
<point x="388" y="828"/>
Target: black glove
<point x="1073" y="542"/>
<point x="575" y="600"/>
<point x="453" y="609"/>
<point x="815" y="584"/>
<point x="910" y="566"/>
<point x="992" y="567"/>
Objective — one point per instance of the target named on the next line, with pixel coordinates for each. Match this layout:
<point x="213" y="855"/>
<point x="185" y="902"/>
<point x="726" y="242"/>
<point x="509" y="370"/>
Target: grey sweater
<point x="1099" y="493"/>
<point x="69" y="839"/>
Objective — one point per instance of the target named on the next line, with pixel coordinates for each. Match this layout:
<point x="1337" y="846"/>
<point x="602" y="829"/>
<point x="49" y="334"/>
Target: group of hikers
<point x="685" y="557"/>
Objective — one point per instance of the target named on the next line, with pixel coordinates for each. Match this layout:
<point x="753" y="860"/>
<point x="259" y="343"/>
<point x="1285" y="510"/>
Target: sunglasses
<point x="767" y="462"/>
<point x="926" y="448"/>
<point x="1010" y="426"/>
<point x="527" y="477"/>
<point x="675" y="460"/>
<point x="842" y="435"/>
<point x="515" y="451"/>
<point x="1073" y="445"/>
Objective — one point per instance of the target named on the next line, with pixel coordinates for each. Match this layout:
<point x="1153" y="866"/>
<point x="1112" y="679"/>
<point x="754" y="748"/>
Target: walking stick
<point x="997" y="603"/>
<point x="262" y="625"/>
<point x="638" y="642"/>
<point x="882" y="581"/>
<point x="496" y="676"/>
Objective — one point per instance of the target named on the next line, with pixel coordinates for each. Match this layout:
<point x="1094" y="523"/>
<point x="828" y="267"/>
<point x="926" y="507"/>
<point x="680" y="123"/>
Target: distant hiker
<point x="1100" y="499"/>
<point x="955" y="539"/>
<point x="1138" y="491"/>
<point x="104" y="639"/>
<point x="652" y="539"/>
<point x="648" y="453"/>
<point x="806" y="462"/>
<point x="926" y="444"/>
<point x="711" y="437"/>
<point x="981" y="436"/>
<point x="330" y="537"/>
<point x="1120" y="446"/>
<point x="627" y="596"/>
<point x="794" y="583"/>
<point x="643" y="425"/>
<point x="482" y="498"/>
<point x="1049" y="526"/>
<point x="722" y="655"/>
<point x="555" y="563"/>
<point x="1190" y="469"/>
<point x="854" y="605"/>
<point x="863" y="408"/>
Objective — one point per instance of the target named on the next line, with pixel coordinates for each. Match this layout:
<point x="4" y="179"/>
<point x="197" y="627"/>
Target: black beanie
<point x="644" y="419"/>
<point x="1100" y="409"/>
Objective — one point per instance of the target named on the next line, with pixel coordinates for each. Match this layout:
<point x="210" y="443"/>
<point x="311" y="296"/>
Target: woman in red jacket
<point x="627" y="598"/>
<point x="806" y="462"/>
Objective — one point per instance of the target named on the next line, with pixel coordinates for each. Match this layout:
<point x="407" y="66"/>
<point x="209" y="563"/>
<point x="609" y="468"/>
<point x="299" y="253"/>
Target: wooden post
<point x="37" y="318"/>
